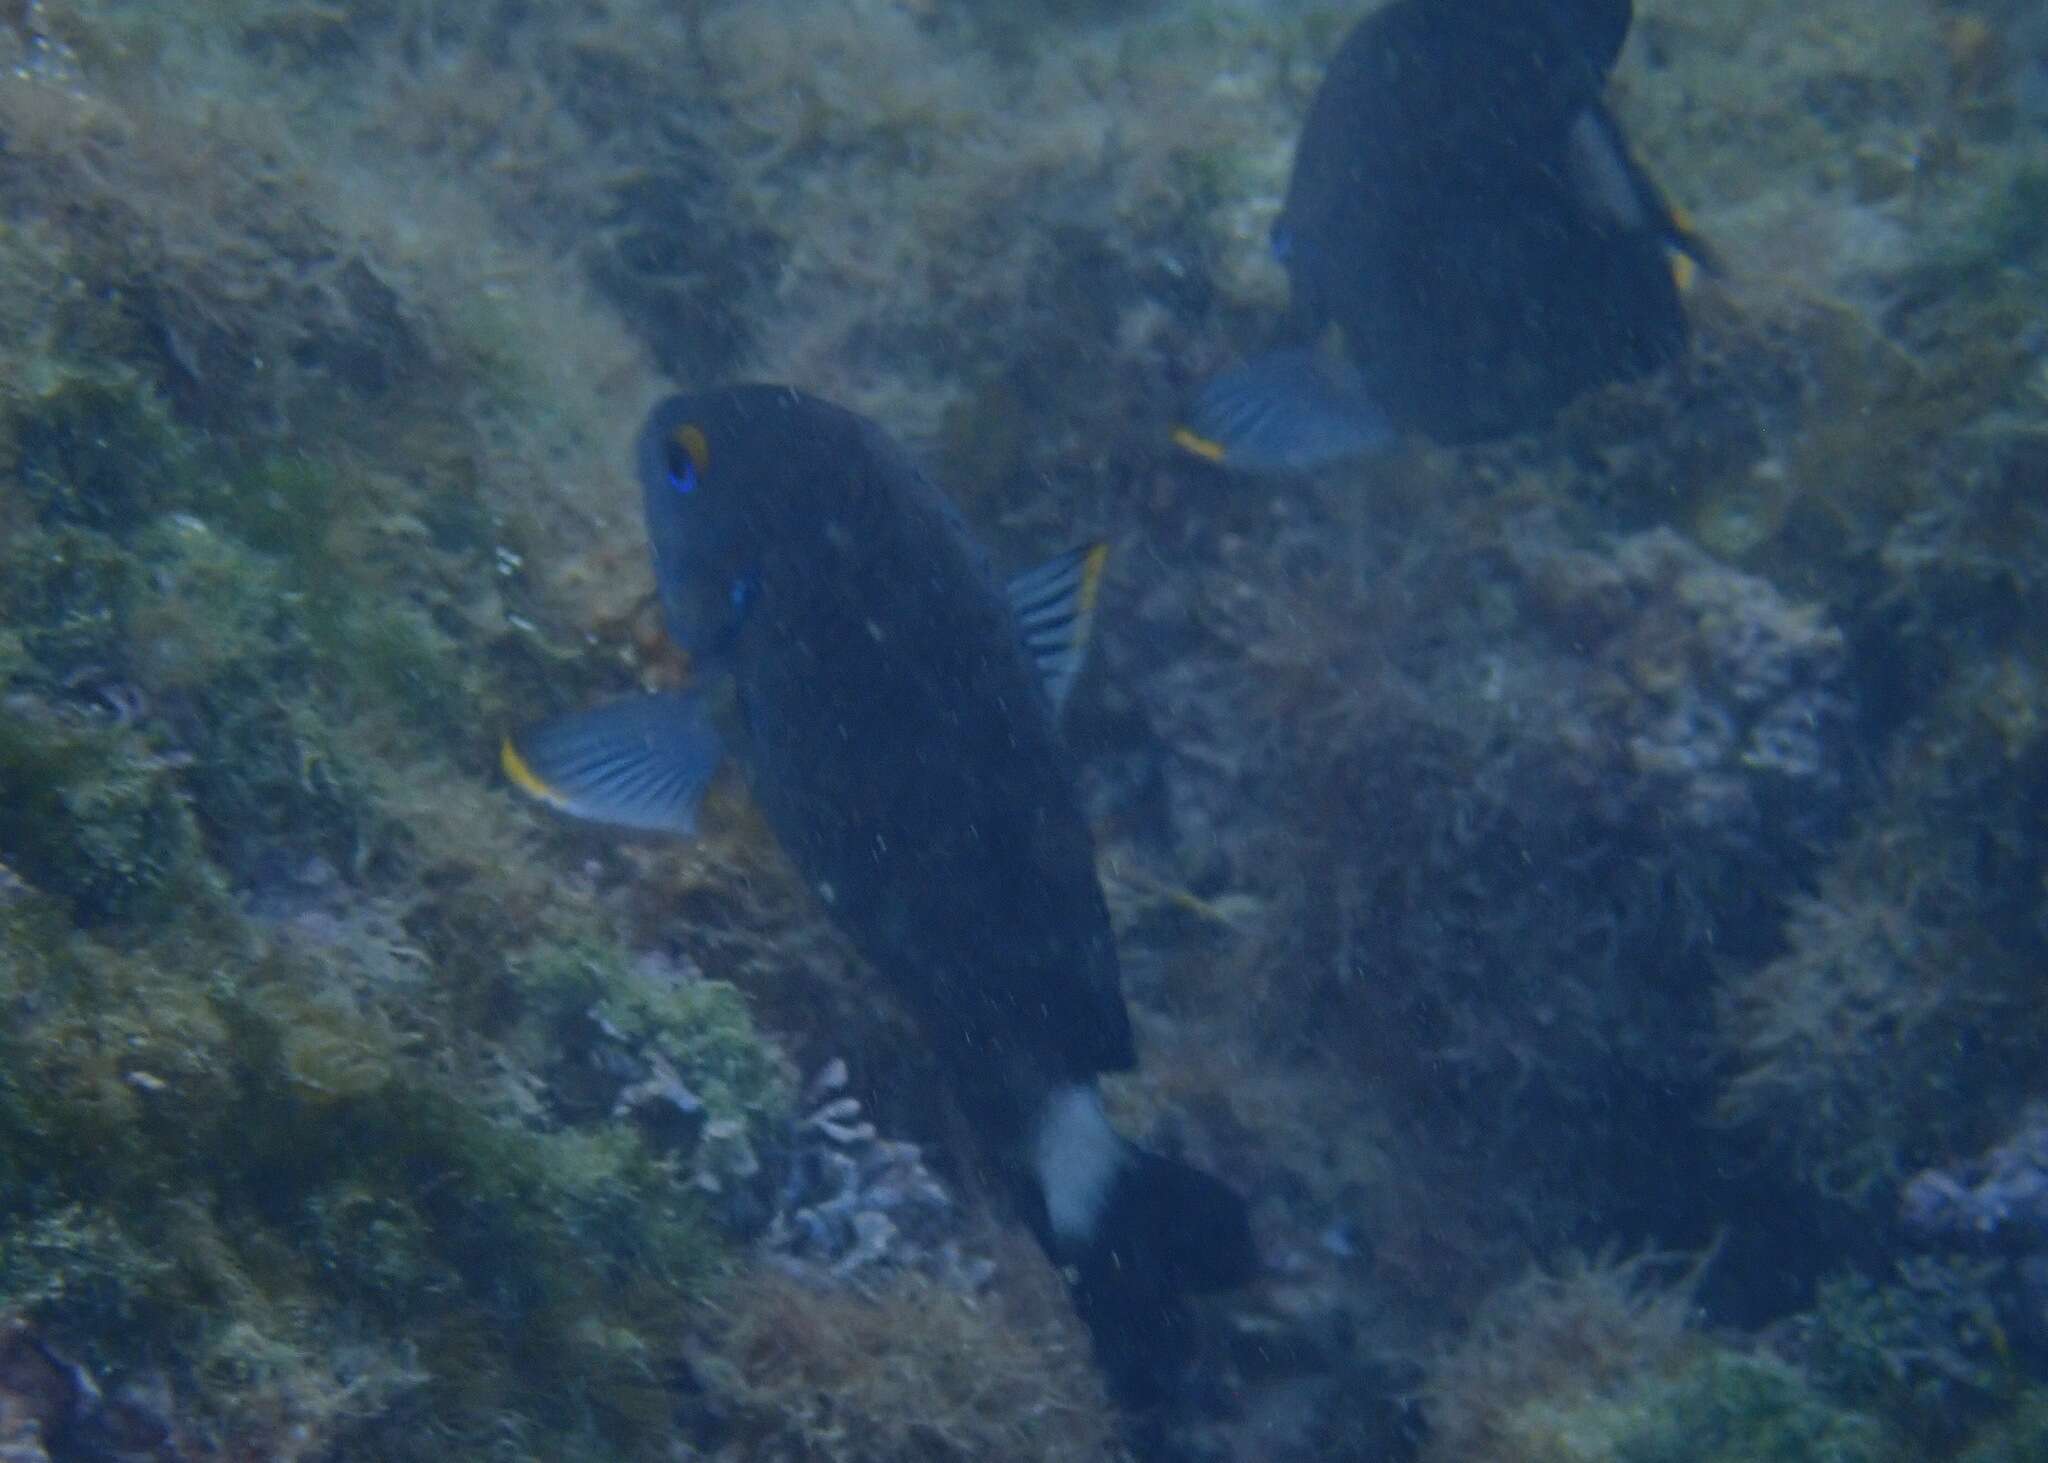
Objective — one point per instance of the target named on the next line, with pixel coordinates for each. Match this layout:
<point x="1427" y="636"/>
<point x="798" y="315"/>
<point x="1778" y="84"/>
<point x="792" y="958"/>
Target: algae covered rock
<point x="1597" y="1364"/>
<point x="1728" y="700"/>
<point x="247" y="1157"/>
<point x="1902" y="1022"/>
<point x="92" y="814"/>
<point x="1722" y="1408"/>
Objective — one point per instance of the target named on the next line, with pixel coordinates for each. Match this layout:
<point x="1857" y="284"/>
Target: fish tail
<point x="1134" y="1232"/>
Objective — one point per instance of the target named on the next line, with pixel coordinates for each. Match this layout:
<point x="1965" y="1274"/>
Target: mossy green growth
<point x="1926" y="1350"/>
<point x="81" y="1260"/>
<point x="1903" y="1020"/>
<point x="282" y="627"/>
<point x="64" y="591"/>
<point x="93" y="446"/>
<point x="700" y="1025"/>
<point x="321" y="590"/>
<point x="393" y="655"/>
<point x="321" y="1203"/>
<point x="14" y="659"/>
<point x="2019" y="1438"/>
<point x="218" y="635"/>
<point x="207" y="606"/>
<point x="285" y="506"/>
<point x="2006" y="228"/>
<point x="90" y="812"/>
<point x="1721" y="1407"/>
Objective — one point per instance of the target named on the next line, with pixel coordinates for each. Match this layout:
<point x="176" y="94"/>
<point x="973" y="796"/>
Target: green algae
<point x="94" y="815"/>
<point x="2018" y="1438"/>
<point x="1721" y="1408"/>
<point x="1902" y="1022"/>
<point x="249" y="1134"/>
<point x="96" y="448"/>
<point x="700" y="1025"/>
<point x="271" y="1154"/>
<point x="1925" y="1349"/>
<point x="1598" y="1363"/>
<point x="64" y="591"/>
<point x="290" y="983"/>
<point x="212" y="1153"/>
<point x="1908" y="1370"/>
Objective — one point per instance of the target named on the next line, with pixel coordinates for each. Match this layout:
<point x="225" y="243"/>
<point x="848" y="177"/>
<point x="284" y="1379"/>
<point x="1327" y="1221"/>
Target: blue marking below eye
<point x="742" y="592"/>
<point x="1282" y="242"/>
<point x="686" y="480"/>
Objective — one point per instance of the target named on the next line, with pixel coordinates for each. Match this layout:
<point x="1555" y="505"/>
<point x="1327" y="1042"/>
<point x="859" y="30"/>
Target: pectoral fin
<point x="642" y="763"/>
<point x="1287" y="411"/>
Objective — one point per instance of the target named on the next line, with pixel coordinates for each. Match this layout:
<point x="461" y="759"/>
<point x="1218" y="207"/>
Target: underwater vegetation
<point x="1596" y="1363"/>
<point x="1569" y="834"/>
<point x="824" y="1376"/>
<point x="1622" y="838"/>
<point x="1599" y="1361"/>
<point x="300" y="1134"/>
<point x="228" y="1168"/>
<point x="1999" y="1198"/>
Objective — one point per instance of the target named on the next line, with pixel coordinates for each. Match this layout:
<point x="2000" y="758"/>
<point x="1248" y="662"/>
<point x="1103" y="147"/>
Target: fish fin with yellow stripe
<point x="1691" y="255"/>
<point x="1614" y="186"/>
<point x="641" y="763"/>
<point x="1054" y="606"/>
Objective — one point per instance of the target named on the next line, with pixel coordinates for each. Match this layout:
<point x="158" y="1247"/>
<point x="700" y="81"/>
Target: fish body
<point x="894" y="707"/>
<point x="1468" y="243"/>
<point x="897" y="738"/>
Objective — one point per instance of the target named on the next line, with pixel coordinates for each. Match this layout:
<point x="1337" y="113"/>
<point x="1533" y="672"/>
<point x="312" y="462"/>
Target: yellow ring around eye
<point x="691" y="440"/>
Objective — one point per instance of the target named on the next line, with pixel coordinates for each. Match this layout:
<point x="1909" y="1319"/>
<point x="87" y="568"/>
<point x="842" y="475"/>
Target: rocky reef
<point x="1623" y="840"/>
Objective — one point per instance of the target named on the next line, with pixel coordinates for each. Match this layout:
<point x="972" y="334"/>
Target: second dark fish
<point x="1468" y="243"/>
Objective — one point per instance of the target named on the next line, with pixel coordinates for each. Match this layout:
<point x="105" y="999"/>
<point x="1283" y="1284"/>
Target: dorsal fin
<point x="1054" y="605"/>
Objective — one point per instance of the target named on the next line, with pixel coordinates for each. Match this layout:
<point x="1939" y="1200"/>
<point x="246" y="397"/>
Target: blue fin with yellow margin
<point x="641" y="763"/>
<point x="1054" y="604"/>
<point x="1287" y="411"/>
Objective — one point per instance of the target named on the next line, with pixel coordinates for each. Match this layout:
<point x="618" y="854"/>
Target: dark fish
<point x="894" y="708"/>
<point x="1464" y="218"/>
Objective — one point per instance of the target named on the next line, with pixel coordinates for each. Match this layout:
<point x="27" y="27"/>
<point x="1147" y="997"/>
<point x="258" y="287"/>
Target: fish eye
<point x="687" y="455"/>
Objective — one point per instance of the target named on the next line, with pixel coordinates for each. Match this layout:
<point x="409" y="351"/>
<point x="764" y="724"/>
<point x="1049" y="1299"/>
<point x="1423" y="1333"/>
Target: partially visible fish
<point x="1469" y="244"/>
